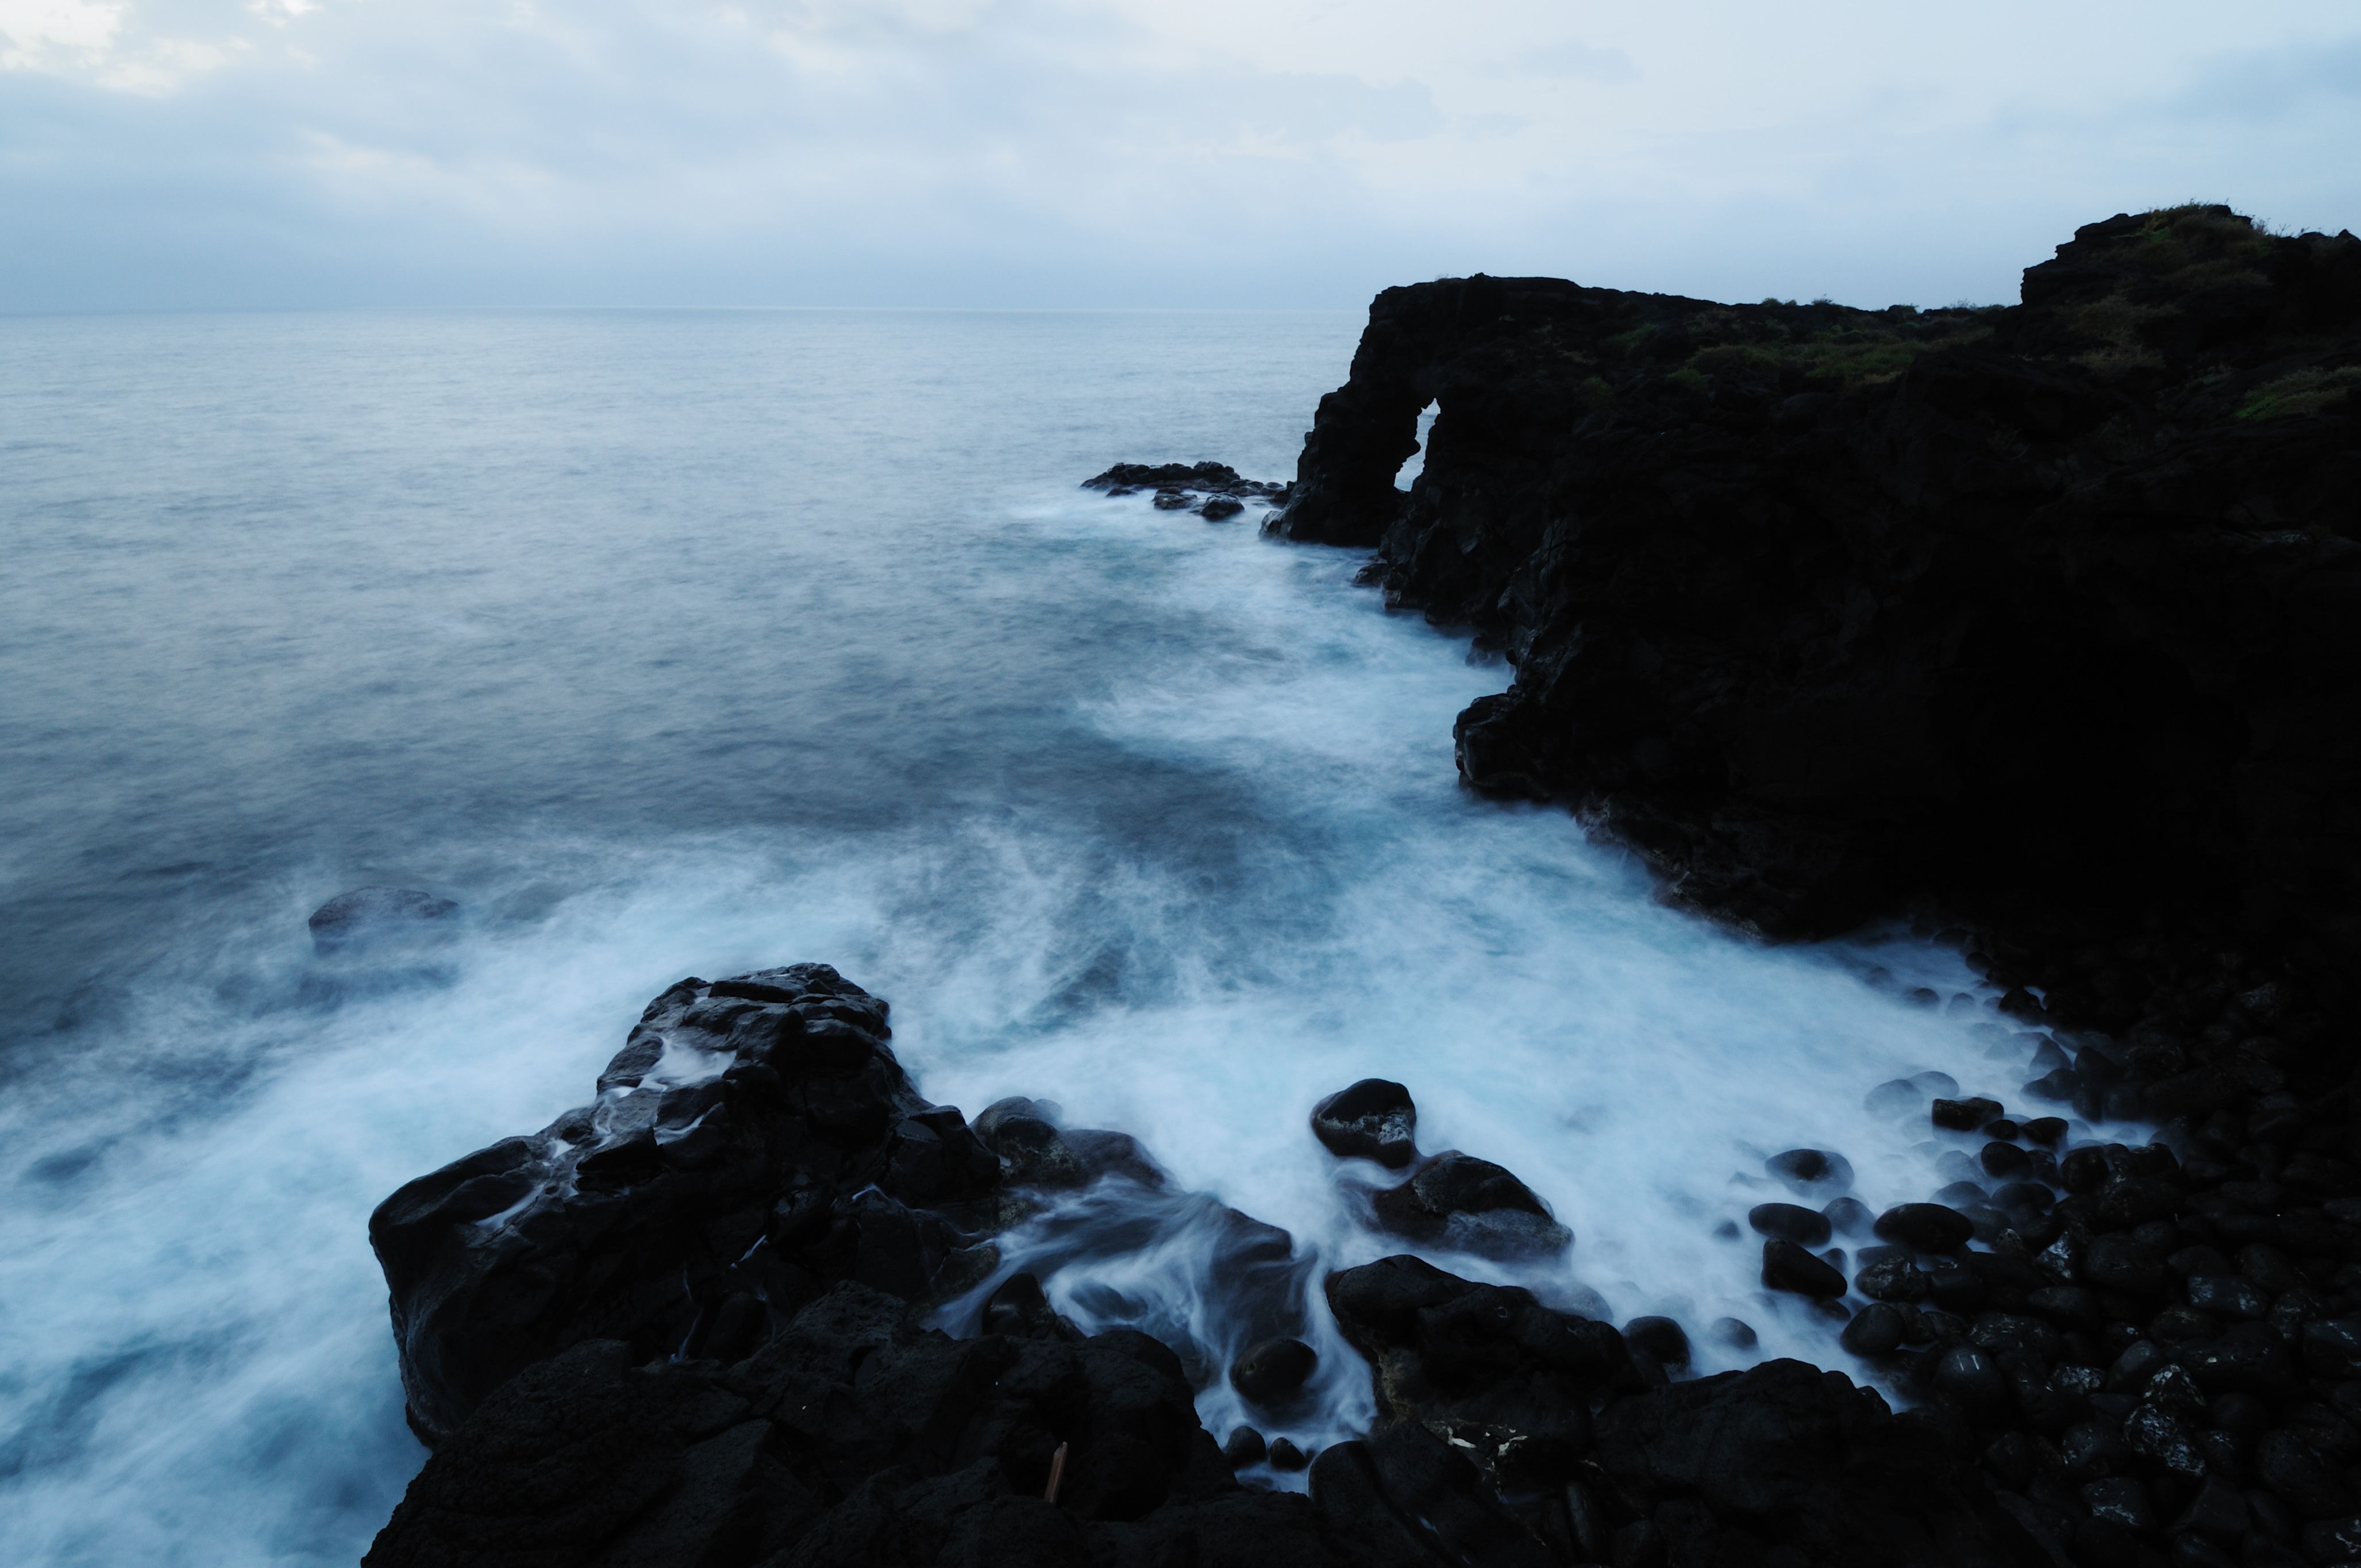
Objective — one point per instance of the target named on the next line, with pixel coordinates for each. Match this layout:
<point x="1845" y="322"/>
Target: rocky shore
<point x="2041" y="623"/>
<point x="686" y="1324"/>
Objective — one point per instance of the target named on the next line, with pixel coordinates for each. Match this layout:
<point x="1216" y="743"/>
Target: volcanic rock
<point x="368" y="915"/>
<point x="1375" y="1119"/>
<point x="1470" y="1205"/>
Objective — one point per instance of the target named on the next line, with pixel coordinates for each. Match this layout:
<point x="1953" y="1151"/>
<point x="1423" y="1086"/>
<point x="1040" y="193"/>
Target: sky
<point x="225" y="154"/>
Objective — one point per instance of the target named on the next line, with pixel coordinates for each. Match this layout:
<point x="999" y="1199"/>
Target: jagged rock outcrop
<point x="753" y="1142"/>
<point x="1823" y="608"/>
<point x="686" y="1324"/>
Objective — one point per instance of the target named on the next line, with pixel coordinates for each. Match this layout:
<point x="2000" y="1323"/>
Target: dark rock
<point x="1375" y="1119"/>
<point x="2333" y="1540"/>
<point x="1893" y="1279"/>
<point x="1790" y="1222"/>
<point x="2248" y="1358"/>
<point x="2216" y="1512"/>
<point x="2227" y="1296"/>
<point x="1018" y="1307"/>
<point x="1659" y="552"/>
<point x="1821" y="1465"/>
<point x="2094" y="1449"/>
<point x="1211" y="478"/>
<point x="2156" y="1434"/>
<point x="1273" y="1369"/>
<point x="1849" y="1217"/>
<point x="367" y="916"/>
<point x="1245" y="1447"/>
<point x="1927" y="1227"/>
<point x="2121" y="1264"/>
<point x="1660" y="1337"/>
<point x="1786" y="1267"/>
<point x="2045" y="1130"/>
<point x="1448" y="1350"/>
<point x="2333" y="1348"/>
<point x="1877" y="1330"/>
<point x="1908" y="1096"/>
<point x="2300" y="1477"/>
<point x="1813" y="1171"/>
<point x="849" y="1437"/>
<point x="1963" y="1115"/>
<point x="1470" y="1205"/>
<point x="2122" y="1499"/>
<point x="1024" y="1134"/>
<point x="1220" y="509"/>
<point x="642" y="1216"/>
<point x="2004" y="1162"/>
<point x="1285" y="1456"/>
<point x="1734" y="1333"/>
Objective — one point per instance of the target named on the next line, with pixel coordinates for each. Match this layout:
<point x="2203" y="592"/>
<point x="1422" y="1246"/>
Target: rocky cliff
<point x="2052" y="609"/>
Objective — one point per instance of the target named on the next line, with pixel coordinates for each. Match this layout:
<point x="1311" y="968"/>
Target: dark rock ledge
<point x="2040" y="625"/>
<point x="1211" y="490"/>
<point x="684" y="1325"/>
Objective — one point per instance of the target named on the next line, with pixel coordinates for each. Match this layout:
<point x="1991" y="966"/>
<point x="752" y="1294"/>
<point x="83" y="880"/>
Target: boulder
<point x="369" y="916"/>
<point x="1790" y="1222"/>
<point x="1273" y="1369"/>
<point x="1470" y="1205"/>
<point x="1815" y="1173"/>
<point x="1375" y="1119"/>
<point x="753" y="1141"/>
<point x="1803" y="1460"/>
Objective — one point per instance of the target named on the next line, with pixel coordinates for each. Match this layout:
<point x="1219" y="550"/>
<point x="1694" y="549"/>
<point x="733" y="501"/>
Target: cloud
<point x="1120" y="152"/>
<point x="1574" y="62"/>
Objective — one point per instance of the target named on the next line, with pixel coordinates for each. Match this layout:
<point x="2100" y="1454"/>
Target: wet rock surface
<point x="689" y="1325"/>
<point x="1715" y="543"/>
<point x="1374" y="1119"/>
<point x="368" y="917"/>
<point x="1824" y="609"/>
<point x="1214" y="491"/>
<point x="1466" y="1204"/>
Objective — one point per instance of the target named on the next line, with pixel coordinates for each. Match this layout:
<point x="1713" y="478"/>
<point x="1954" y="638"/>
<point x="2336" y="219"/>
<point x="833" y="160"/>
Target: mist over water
<point x="673" y="644"/>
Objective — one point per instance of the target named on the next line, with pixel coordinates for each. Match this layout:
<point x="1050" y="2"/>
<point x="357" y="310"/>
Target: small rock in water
<point x="1735" y="1332"/>
<point x="1019" y="1308"/>
<point x="2005" y="1161"/>
<point x="1789" y="1221"/>
<point x="1811" y="1170"/>
<point x="1849" y="1217"/>
<point x="1973" y="1381"/>
<point x="1285" y="1456"/>
<point x="1963" y="1115"/>
<point x="372" y="914"/>
<point x="1907" y="1096"/>
<point x="1024" y="1134"/>
<point x="1245" y="1447"/>
<point x="1893" y="1279"/>
<point x="1660" y="1337"/>
<point x="1473" y="1205"/>
<point x="1219" y="509"/>
<point x="1375" y="1119"/>
<point x="1171" y="501"/>
<point x="1273" y="1369"/>
<point x="1927" y="1227"/>
<point x="1787" y="1266"/>
<point x="1878" y="1330"/>
<point x="2045" y="1130"/>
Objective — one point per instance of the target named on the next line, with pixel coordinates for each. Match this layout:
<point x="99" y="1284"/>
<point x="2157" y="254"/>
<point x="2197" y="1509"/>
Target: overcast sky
<point x="162" y="153"/>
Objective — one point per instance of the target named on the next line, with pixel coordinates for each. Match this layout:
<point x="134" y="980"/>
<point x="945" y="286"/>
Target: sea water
<point x="695" y="643"/>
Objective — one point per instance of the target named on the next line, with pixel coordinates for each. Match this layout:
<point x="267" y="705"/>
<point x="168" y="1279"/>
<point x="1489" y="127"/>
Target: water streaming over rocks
<point x="663" y="646"/>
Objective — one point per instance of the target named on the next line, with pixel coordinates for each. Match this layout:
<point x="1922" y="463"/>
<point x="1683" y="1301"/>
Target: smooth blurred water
<point x="674" y="643"/>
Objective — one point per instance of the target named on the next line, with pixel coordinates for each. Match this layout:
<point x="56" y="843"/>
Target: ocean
<point x="674" y="643"/>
